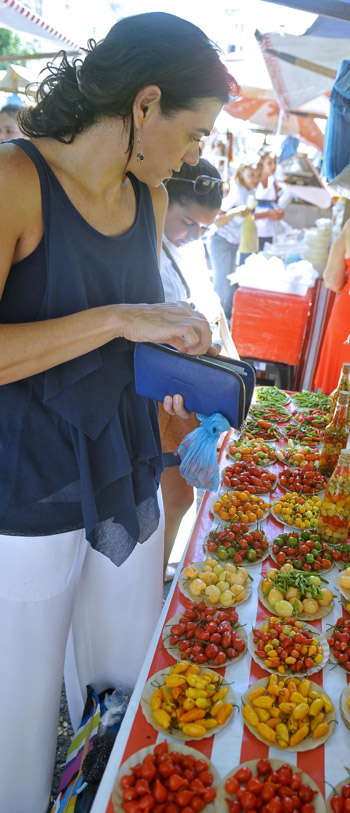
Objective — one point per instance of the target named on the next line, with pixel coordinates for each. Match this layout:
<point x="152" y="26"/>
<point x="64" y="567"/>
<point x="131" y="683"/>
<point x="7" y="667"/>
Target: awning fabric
<point x="295" y="85"/>
<point x="15" y="16"/>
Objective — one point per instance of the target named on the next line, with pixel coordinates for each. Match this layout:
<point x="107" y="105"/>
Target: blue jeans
<point x="223" y="259"/>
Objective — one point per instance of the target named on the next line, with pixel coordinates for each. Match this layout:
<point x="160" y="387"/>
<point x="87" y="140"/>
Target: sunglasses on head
<point x="204" y="184"/>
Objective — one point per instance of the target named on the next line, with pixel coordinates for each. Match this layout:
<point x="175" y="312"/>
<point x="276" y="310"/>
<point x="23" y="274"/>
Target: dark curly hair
<point x="184" y="193"/>
<point x="145" y="49"/>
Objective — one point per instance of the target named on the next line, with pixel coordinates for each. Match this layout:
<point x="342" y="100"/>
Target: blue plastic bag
<point x="199" y="466"/>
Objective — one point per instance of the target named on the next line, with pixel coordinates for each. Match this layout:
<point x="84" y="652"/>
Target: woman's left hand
<point x="174" y="405"/>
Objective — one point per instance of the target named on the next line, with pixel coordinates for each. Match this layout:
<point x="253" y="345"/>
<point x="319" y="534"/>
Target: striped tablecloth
<point x="235" y="743"/>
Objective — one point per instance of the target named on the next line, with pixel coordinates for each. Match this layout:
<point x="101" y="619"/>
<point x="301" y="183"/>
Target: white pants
<point x="52" y="587"/>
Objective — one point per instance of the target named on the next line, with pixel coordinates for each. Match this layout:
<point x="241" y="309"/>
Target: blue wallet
<point x="208" y="384"/>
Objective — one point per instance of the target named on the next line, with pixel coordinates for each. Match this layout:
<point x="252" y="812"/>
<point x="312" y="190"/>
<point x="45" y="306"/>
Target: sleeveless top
<point x="78" y="447"/>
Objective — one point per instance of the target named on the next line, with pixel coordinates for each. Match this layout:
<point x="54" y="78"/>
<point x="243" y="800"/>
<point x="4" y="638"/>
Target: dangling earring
<point x="139" y="154"/>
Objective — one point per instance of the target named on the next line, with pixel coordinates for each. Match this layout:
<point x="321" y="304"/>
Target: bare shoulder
<point x="20" y="179"/>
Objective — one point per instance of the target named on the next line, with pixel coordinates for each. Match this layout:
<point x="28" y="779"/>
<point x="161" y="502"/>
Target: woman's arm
<point x="334" y="275"/>
<point x="30" y="348"/>
<point x="225" y="217"/>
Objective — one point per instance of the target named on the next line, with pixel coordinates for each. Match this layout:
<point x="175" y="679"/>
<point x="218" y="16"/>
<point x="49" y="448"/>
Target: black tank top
<point x="78" y="446"/>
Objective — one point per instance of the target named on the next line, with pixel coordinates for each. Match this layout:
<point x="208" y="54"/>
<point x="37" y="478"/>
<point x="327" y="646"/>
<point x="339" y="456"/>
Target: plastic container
<point x="334" y="518"/>
<point x="343" y="384"/>
<point x="335" y="435"/>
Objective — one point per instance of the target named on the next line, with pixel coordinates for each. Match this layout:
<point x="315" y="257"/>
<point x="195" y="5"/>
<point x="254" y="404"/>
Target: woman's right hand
<point x="176" y="324"/>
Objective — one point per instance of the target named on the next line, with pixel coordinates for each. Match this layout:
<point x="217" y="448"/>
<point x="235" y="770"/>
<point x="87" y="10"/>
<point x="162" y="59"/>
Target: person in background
<point x="195" y="196"/>
<point x="8" y="122"/>
<point x="81" y="522"/>
<point x="224" y="242"/>
<point x="336" y="277"/>
<point x="267" y="211"/>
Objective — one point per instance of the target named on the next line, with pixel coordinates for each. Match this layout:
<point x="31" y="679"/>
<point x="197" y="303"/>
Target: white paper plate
<point x="156" y="681"/>
<point x="256" y="493"/>
<point x="117" y="792"/>
<point x="184" y="588"/>
<point x="322" y="641"/>
<point x="219" y="494"/>
<point x="175" y="652"/>
<point x="222" y="794"/>
<point x="321" y="613"/>
<point x="308" y="743"/>
<point x="244" y="563"/>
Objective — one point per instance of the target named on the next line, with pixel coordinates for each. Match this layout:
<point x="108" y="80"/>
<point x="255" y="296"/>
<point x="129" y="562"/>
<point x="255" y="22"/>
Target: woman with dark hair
<point x="81" y="541"/>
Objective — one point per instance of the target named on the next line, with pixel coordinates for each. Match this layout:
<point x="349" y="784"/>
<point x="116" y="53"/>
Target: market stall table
<point x="235" y="743"/>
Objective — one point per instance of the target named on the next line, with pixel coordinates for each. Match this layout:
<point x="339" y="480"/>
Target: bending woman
<point x="80" y="531"/>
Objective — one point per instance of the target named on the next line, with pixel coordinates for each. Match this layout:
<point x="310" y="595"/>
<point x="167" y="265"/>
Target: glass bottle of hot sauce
<point x="343" y="385"/>
<point x="335" y="436"/>
<point x="334" y="518"/>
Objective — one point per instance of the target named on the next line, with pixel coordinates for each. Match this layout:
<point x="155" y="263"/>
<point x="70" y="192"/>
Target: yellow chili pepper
<point x="215" y="708"/>
<point x="194" y="669"/>
<point x="188" y="704"/>
<point x="202" y="702"/>
<point x="194" y="730"/>
<point x="209" y="722"/>
<point x="162" y="718"/>
<point x="250" y="716"/>
<point x="320" y="718"/>
<point x="174" y="680"/>
<point x="195" y="681"/>
<point x="301" y="710"/>
<point x="316" y="706"/>
<point x="275" y="712"/>
<point x="156" y="699"/>
<point x="282" y="733"/>
<point x="220" y="694"/>
<point x="192" y="715"/>
<point x="292" y="725"/>
<point x="263" y="715"/>
<point x="304" y="687"/>
<point x="297" y="697"/>
<point x="327" y="704"/>
<point x="299" y="735"/>
<point x="256" y="693"/>
<point x="286" y="708"/>
<point x="313" y="695"/>
<point x="166" y="695"/>
<point x="170" y="708"/>
<point x="320" y="730"/>
<point x="273" y="722"/>
<point x="176" y="692"/>
<point x="180" y="667"/>
<point x="263" y="702"/>
<point x="195" y="693"/>
<point x="291" y="685"/>
<point x="224" y="713"/>
<point x="267" y="732"/>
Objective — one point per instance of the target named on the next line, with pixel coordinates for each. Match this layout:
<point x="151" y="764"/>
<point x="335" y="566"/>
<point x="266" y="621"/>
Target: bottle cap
<point x="346" y="369"/>
<point x="343" y="397"/>
<point x="345" y="457"/>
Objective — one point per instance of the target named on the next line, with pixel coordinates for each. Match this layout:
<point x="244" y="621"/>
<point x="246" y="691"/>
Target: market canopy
<point x="17" y="17"/>
<point x="339" y="9"/>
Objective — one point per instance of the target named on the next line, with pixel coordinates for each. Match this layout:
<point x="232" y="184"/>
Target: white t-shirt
<point x="193" y="266"/>
<point x="265" y="226"/>
<point x="237" y="196"/>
